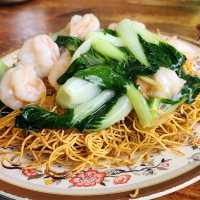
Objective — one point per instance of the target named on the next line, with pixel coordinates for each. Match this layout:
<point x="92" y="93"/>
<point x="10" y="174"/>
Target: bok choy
<point x="110" y="113"/>
<point x="76" y="91"/>
<point x="154" y="53"/>
<point x="107" y="49"/>
<point x="114" y="110"/>
<point x="130" y="38"/>
<point x="148" y="48"/>
<point x="69" y="42"/>
<point x="34" y="117"/>
<point x="105" y="77"/>
<point x="107" y="80"/>
<point x="106" y="35"/>
<point x="98" y="88"/>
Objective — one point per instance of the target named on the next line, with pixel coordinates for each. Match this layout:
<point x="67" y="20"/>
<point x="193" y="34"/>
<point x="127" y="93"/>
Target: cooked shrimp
<point x="7" y="95"/>
<point x="41" y="52"/>
<point x="26" y="85"/>
<point x="169" y="84"/>
<point x="20" y="86"/>
<point x="112" y="26"/>
<point x="80" y="26"/>
<point x="143" y="87"/>
<point x="163" y="84"/>
<point x="59" y="68"/>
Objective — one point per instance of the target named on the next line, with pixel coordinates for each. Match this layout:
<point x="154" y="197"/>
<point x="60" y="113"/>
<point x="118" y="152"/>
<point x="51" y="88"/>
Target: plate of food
<point x="94" y="110"/>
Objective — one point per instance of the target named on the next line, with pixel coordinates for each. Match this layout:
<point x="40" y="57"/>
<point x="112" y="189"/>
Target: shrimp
<point x="20" y="86"/>
<point x="27" y="85"/>
<point x="41" y="52"/>
<point x="80" y="26"/>
<point x="59" y="68"/>
<point x="112" y="26"/>
<point x="7" y="95"/>
<point x="169" y="83"/>
<point x="143" y="87"/>
<point x="163" y="84"/>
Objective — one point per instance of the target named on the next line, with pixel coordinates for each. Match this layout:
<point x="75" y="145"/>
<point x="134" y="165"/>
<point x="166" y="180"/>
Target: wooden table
<point x="20" y="22"/>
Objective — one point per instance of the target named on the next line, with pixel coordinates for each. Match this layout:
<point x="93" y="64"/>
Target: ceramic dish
<point x="165" y="173"/>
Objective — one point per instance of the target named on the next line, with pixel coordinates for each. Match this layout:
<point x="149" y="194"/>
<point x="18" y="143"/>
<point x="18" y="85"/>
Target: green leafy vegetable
<point x="111" y="112"/>
<point x="148" y="49"/>
<point x="162" y="54"/>
<point x="153" y="53"/>
<point x="171" y="108"/>
<point x="93" y="121"/>
<point x="33" y="117"/>
<point x="86" y="109"/>
<point x="191" y="88"/>
<point x="128" y="67"/>
<point x="168" y="56"/>
<point x="130" y="39"/>
<point x="105" y="77"/>
<point x="109" y="31"/>
<point x="110" y="60"/>
<point x="87" y="56"/>
<point x="172" y="101"/>
<point x="86" y="60"/>
<point x="76" y="91"/>
<point x="69" y="42"/>
<point x="154" y="105"/>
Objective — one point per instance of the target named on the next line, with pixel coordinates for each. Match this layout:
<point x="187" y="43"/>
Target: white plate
<point x="164" y="167"/>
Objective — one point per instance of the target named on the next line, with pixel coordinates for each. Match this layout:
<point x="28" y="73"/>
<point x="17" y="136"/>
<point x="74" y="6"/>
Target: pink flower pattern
<point x="121" y="179"/>
<point x="29" y="172"/>
<point x="88" y="178"/>
<point x="92" y="177"/>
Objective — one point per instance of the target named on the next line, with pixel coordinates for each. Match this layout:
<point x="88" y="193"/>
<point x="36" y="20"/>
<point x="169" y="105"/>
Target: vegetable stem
<point x="116" y="41"/>
<point x="130" y="39"/>
<point x="140" y="105"/>
<point x="107" y="49"/>
<point x="76" y="91"/>
<point x="84" y="110"/>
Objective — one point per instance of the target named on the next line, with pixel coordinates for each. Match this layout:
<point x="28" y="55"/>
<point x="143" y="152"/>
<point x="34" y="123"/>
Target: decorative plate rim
<point x="170" y="188"/>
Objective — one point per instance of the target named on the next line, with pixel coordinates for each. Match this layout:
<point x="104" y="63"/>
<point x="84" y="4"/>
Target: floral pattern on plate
<point x="92" y="177"/>
<point x="156" y="166"/>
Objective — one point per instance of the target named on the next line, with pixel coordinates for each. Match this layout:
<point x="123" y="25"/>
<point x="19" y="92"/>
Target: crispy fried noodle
<point x="115" y="146"/>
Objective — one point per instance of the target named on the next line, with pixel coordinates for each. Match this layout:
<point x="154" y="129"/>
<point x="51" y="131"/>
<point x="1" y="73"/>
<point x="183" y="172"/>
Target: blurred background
<point x="20" y="20"/>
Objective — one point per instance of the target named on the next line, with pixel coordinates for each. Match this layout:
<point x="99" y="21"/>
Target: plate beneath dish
<point x="180" y="170"/>
<point x="165" y="173"/>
